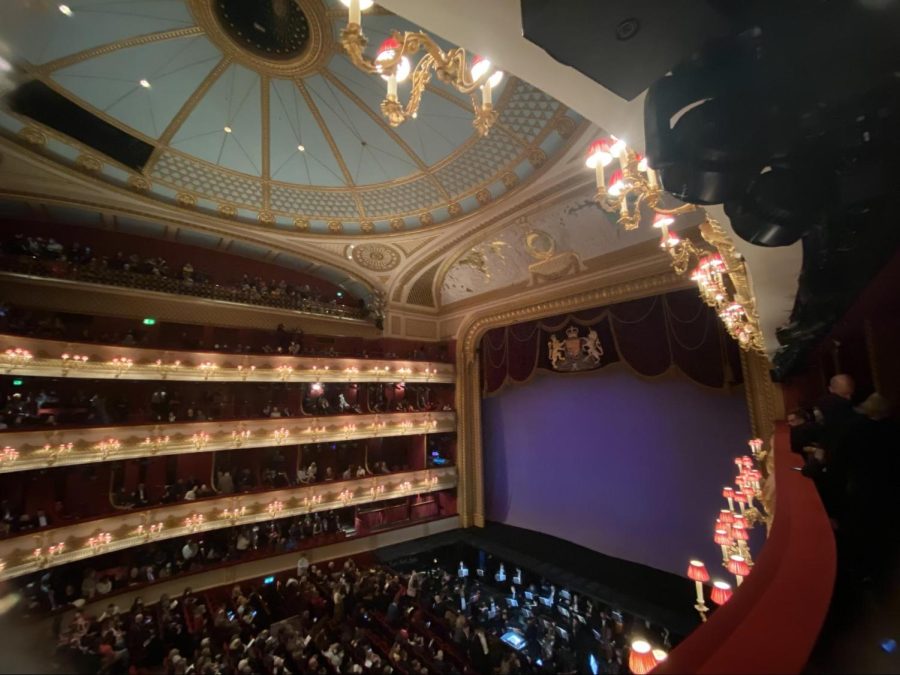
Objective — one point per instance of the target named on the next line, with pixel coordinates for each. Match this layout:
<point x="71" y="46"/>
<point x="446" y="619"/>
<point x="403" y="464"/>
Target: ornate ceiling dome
<point x="249" y="110"/>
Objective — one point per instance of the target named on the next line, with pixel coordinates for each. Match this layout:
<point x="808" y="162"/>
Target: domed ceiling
<point x="251" y="111"/>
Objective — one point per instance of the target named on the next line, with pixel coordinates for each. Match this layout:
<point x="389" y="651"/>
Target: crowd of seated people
<point x="354" y="618"/>
<point x="82" y="261"/>
<point x="850" y="452"/>
<point x="283" y="340"/>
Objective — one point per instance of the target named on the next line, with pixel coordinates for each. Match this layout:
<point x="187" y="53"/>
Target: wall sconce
<point x="345" y="496"/>
<point x="310" y="502"/>
<point x="377" y="491"/>
<point x="16" y="358"/>
<point x="57" y="451"/>
<point x="280" y="435"/>
<point x="349" y="429"/>
<point x="150" y="531"/>
<point x="43" y="557"/>
<point x="156" y="443"/>
<point x="351" y="372"/>
<point x="245" y="372"/>
<point x="200" y="440"/>
<point x="165" y="368"/>
<point x="640" y="658"/>
<point x="234" y="514"/>
<point x="121" y="364"/>
<point x="405" y="486"/>
<point x="698" y="574"/>
<point x="239" y="436"/>
<point x="8" y="455"/>
<point x="284" y="372"/>
<point x="756" y="445"/>
<point x="194" y="522"/>
<point x="721" y="592"/>
<point x="316" y="431"/>
<point x="207" y="368"/>
<point x="70" y="361"/>
<point x="275" y="508"/>
<point x="99" y="542"/>
<point x="738" y="567"/>
<point x="376" y="427"/>
<point x="108" y="446"/>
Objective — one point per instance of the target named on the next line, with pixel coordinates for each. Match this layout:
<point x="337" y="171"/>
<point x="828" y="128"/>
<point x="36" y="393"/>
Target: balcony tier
<point x="27" y="450"/>
<point x="135" y="363"/>
<point x="28" y="553"/>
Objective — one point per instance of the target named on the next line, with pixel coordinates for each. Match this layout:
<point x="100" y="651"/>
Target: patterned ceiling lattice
<point x="258" y="115"/>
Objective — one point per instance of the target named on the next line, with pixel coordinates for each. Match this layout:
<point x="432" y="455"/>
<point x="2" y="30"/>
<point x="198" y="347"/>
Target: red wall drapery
<point x="650" y="335"/>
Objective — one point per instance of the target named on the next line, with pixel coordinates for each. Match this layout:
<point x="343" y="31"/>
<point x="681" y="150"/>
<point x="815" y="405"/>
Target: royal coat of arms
<point x="575" y="352"/>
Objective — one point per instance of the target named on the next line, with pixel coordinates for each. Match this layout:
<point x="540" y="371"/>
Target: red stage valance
<point x="651" y="336"/>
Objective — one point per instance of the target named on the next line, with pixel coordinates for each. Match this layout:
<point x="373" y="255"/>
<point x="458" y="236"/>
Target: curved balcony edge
<point x="772" y="622"/>
<point x="33" y="552"/>
<point x="113" y="362"/>
<point x="28" y="450"/>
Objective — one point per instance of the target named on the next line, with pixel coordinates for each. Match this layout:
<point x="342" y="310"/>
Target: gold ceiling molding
<point x="422" y="291"/>
<point x="88" y="163"/>
<point x="470" y="454"/>
<point x="102" y="50"/>
<point x="376" y="257"/>
<point x="386" y="128"/>
<point x="410" y="247"/>
<point x="454" y="209"/>
<point x="266" y="122"/>
<point x="33" y="136"/>
<point x="316" y="53"/>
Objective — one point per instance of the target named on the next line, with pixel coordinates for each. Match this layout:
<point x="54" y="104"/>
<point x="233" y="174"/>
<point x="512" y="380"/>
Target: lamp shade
<point x="599" y="153"/>
<point x="480" y="66"/>
<point x="641" y="659"/>
<point x="722" y="538"/>
<point x="721" y="592"/>
<point x="616" y="183"/>
<point x="747" y="461"/>
<point x="728" y="492"/>
<point x="697" y="571"/>
<point x="740" y="496"/>
<point x="726" y="516"/>
<point x="738" y="566"/>
<point x="386" y="52"/>
<point x="363" y="4"/>
<point x="660" y="655"/>
<point x="642" y="164"/>
<point x="739" y="531"/>
<point x="661" y="220"/>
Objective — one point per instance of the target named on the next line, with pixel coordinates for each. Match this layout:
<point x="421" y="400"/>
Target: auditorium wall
<point x="627" y="466"/>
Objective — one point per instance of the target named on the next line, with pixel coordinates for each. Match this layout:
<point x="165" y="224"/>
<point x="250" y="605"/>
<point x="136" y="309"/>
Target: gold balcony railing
<point x="27" y="450"/>
<point x="33" y="552"/>
<point x="57" y="358"/>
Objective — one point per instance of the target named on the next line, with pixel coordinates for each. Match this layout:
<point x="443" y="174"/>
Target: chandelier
<point x="392" y="63"/>
<point x="633" y="191"/>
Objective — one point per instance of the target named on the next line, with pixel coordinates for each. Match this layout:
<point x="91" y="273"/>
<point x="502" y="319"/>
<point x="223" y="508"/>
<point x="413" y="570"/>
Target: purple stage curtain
<point x="651" y="336"/>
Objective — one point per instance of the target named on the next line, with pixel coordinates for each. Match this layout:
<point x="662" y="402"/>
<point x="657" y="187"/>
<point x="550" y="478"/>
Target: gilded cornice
<point x="157" y="364"/>
<point x="68" y="447"/>
<point x="138" y="527"/>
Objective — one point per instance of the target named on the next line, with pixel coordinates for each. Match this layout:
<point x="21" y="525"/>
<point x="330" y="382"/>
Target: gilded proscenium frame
<point x="125" y="527"/>
<point x="470" y="455"/>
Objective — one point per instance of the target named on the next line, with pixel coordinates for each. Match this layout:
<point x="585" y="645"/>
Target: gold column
<point x="470" y="493"/>
<point x="765" y="401"/>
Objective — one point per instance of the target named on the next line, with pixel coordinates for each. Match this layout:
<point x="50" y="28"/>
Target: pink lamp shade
<point x="738" y="566"/>
<point x="661" y="220"/>
<point x="616" y="183"/>
<point x="739" y="462"/>
<point x="641" y="659"/>
<point x="738" y="531"/>
<point x="721" y="592"/>
<point x="739" y="518"/>
<point x="480" y="66"/>
<point x="599" y="152"/>
<point x="726" y="516"/>
<point x="740" y="496"/>
<point x="697" y="571"/>
<point x="747" y="461"/>
<point x="728" y="492"/>
<point x="722" y="538"/>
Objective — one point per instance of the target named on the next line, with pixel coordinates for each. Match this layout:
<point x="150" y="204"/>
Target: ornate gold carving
<point x="335" y="226"/>
<point x="313" y="57"/>
<point x="376" y="257"/>
<point x="33" y="135"/>
<point x="426" y="219"/>
<point x="454" y="209"/>
<point x="367" y="226"/>
<point x="565" y="126"/>
<point x="397" y="224"/>
<point x="266" y="217"/>
<point x="483" y="196"/>
<point x="510" y="180"/>
<point x="88" y="163"/>
<point x="138" y="183"/>
<point x="227" y="210"/>
<point x="537" y="157"/>
<point x="301" y="224"/>
<point x="186" y="199"/>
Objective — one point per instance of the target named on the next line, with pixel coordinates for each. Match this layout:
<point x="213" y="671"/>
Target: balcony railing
<point x="33" y="552"/>
<point x="135" y="363"/>
<point x="57" y="269"/>
<point x="27" y="450"/>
